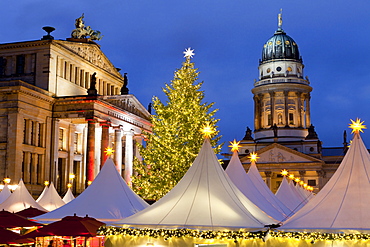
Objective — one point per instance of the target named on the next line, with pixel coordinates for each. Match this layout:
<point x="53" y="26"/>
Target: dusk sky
<point x="146" y="39"/>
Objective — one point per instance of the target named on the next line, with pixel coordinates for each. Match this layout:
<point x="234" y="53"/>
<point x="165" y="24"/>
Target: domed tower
<point x="281" y="95"/>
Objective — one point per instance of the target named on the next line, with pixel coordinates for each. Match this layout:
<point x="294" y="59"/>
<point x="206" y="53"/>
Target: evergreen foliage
<point x="175" y="139"/>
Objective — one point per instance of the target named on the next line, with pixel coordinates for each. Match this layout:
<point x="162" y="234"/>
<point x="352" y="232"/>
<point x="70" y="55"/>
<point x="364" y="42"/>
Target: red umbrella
<point x="10" y="220"/>
<point x="9" y="237"/>
<point x="69" y="226"/>
<point x="30" y="212"/>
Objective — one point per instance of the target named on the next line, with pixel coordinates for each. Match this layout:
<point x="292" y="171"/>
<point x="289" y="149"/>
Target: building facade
<point x="284" y="136"/>
<point x="62" y="103"/>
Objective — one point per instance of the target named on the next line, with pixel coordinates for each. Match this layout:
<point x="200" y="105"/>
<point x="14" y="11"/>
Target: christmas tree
<point x="175" y="139"/>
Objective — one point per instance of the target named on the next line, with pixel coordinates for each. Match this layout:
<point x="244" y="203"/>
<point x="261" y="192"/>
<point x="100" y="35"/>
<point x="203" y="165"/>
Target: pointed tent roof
<point x="237" y="174"/>
<point x="289" y="197"/>
<point x="5" y="193"/>
<point x="257" y="180"/>
<point x="68" y="196"/>
<point x="20" y="199"/>
<point x="343" y="204"/>
<point x="205" y="198"/>
<point x="42" y="193"/>
<point x="51" y="199"/>
<point x="108" y="198"/>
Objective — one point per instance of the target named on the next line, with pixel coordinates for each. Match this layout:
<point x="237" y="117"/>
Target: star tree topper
<point x="189" y="53"/>
<point x="357" y="126"/>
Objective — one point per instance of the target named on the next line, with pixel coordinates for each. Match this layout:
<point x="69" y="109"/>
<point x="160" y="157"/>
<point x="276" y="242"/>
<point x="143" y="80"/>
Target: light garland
<point x="320" y="236"/>
<point x="178" y="233"/>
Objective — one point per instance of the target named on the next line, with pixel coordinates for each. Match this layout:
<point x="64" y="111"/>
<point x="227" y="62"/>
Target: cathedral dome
<point x="280" y="46"/>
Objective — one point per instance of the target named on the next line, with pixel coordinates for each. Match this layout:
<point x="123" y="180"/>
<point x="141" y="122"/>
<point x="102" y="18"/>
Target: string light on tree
<point x="357" y="126"/>
<point x="235" y="146"/>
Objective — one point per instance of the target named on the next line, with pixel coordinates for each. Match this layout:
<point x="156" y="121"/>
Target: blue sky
<point x="146" y="38"/>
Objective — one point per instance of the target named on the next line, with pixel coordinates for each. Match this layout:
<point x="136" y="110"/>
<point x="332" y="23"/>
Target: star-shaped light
<point x="46" y="183"/>
<point x="284" y="172"/>
<point x="234" y="146"/>
<point x="189" y="53"/>
<point x="291" y="176"/>
<point x="207" y="130"/>
<point x="69" y="185"/>
<point x="357" y="126"/>
<point x="253" y="157"/>
<point x="297" y="180"/>
<point x="108" y="151"/>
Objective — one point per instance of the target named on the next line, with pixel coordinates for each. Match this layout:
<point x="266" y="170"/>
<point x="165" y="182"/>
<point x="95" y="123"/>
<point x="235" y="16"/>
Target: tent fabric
<point x="5" y="193"/>
<point x="42" y="193"/>
<point x="205" y="198"/>
<point x="287" y="195"/>
<point x="237" y="174"/>
<point x="107" y="199"/>
<point x="343" y="204"/>
<point x="20" y="199"/>
<point x="257" y="180"/>
<point x="68" y="196"/>
<point x="51" y="199"/>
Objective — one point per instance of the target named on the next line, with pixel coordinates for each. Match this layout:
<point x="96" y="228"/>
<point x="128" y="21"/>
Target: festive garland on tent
<point x="178" y="233"/>
<point x="231" y="235"/>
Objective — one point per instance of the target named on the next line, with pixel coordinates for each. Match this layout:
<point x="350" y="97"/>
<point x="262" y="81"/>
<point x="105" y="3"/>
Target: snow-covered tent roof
<point x="343" y="204"/>
<point x="205" y="198"/>
<point x="68" y="196"/>
<point x="20" y="199"/>
<point x="237" y="174"/>
<point x="108" y="198"/>
<point x="42" y="193"/>
<point x="5" y="193"/>
<point x="51" y="199"/>
<point x="289" y="196"/>
<point x="257" y="180"/>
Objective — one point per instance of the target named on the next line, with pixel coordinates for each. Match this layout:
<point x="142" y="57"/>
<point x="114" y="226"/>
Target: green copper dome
<point x="280" y="46"/>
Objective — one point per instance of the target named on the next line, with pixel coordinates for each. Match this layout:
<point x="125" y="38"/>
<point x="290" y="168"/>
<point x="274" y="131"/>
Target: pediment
<point x="276" y="153"/>
<point x="92" y="53"/>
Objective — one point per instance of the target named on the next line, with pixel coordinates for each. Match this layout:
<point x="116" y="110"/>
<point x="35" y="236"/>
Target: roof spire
<point x="280" y="19"/>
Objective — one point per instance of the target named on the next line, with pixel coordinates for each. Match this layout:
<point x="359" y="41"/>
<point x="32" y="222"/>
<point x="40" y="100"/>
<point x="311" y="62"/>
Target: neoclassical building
<point x="284" y="136"/>
<point x="62" y="103"/>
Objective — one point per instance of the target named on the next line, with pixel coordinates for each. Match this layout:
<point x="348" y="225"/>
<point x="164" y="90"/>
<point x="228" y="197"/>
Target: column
<point x="299" y="118"/>
<point x="268" y="175"/>
<point x="301" y="174"/>
<point x="128" y="156"/>
<point x="54" y="150"/>
<point x="272" y="109"/>
<point x="321" y="174"/>
<point x="118" y="148"/>
<point x="104" y="142"/>
<point x="308" y="114"/>
<point x="90" y="151"/>
<point x="286" y="108"/>
<point x="26" y="167"/>
<point x="257" y="112"/>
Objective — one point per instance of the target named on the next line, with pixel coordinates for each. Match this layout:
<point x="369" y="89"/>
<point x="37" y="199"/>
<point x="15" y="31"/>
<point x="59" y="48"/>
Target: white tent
<point x="68" y="196"/>
<point x="51" y="199"/>
<point x="20" y="199"/>
<point x="343" y="204"/>
<point x="107" y="199"/>
<point x="257" y="180"/>
<point x="237" y="174"/>
<point x="5" y="193"/>
<point x="42" y="193"/>
<point x="289" y="196"/>
<point x="205" y="198"/>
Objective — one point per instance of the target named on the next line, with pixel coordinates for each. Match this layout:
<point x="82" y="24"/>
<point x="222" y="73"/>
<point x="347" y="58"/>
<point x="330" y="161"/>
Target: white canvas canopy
<point x="205" y="198"/>
<point x="5" y="193"/>
<point x="237" y="174"/>
<point x="51" y="199"/>
<point x="257" y="180"/>
<point x="20" y="199"/>
<point x="343" y="204"/>
<point x="287" y="194"/>
<point x="107" y="199"/>
<point x="68" y="196"/>
<point x="42" y="193"/>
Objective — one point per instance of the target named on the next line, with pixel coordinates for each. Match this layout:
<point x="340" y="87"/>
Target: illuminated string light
<point x="235" y="146"/>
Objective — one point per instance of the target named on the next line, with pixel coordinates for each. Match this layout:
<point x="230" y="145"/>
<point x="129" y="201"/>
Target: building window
<point x="2" y="66"/>
<point x="311" y="182"/>
<point x="33" y="133"/>
<point x="20" y="64"/>
<point x="24" y="131"/>
<point x="76" y="143"/>
<point x="40" y="134"/>
<point x="269" y="120"/>
<point x="61" y="139"/>
<point x="291" y="118"/>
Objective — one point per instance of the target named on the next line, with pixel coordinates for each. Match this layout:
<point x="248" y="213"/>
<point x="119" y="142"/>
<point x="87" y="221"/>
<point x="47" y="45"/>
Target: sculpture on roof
<point x="82" y="32"/>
